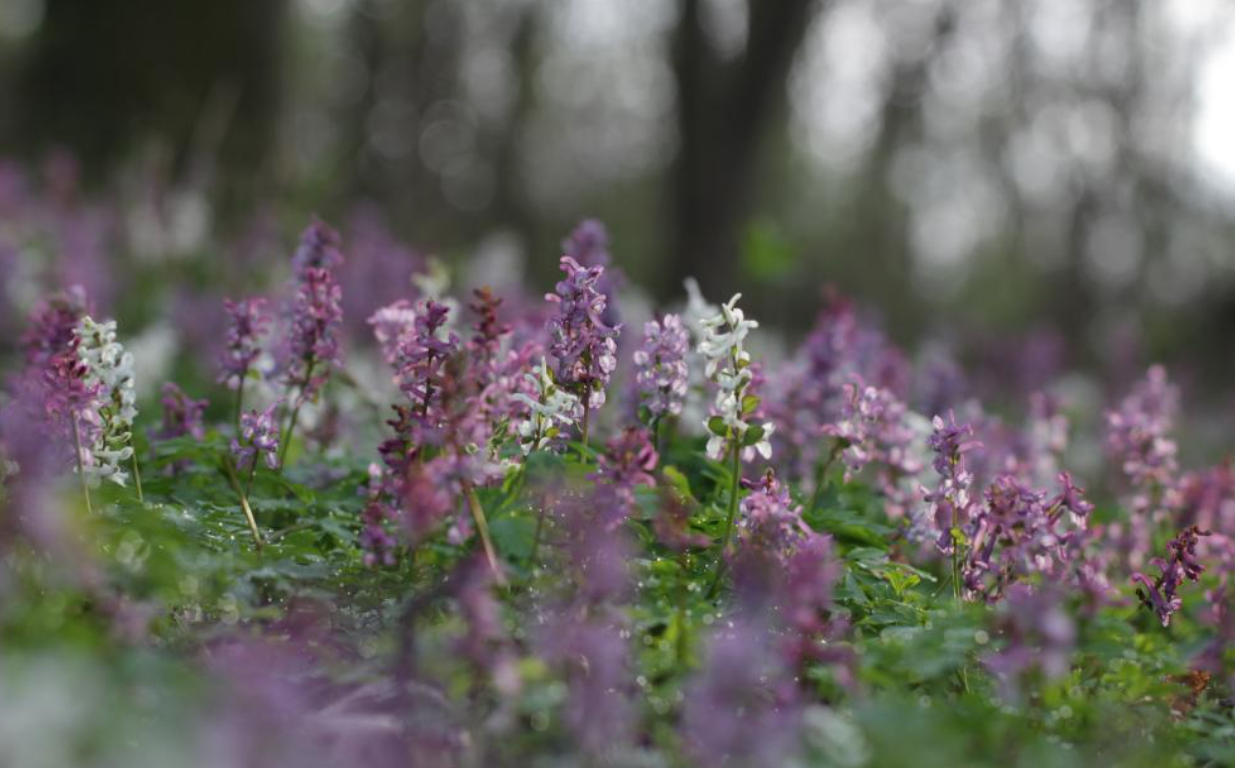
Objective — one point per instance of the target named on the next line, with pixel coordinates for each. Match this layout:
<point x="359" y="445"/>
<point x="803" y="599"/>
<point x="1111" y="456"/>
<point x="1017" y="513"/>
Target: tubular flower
<point x="50" y="328"/>
<point x="550" y="413"/>
<point x="393" y="326"/>
<point x="949" y="503"/>
<point x="314" y="345"/>
<point x="663" y="375"/>
<point x="259" y="436"/>
<point x="111" y="368"/>
<point x="583" y="346"/>
<point x="728" y="366"/>
<point x="320" y="248"/>
<point x="770" y="522"/>
<point x="420" y="357"/>
<point x="1161" y="595"/>
<point x="248" y="322"/>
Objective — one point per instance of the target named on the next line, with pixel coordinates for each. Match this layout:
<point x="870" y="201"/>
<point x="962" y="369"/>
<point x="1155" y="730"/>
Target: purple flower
<point x="313" y="344"/>
<point x="740" y="708"/>
<point x="182" y="415"/>
<point x="50" y="327"/>
<point x="248" y="322"/>
<point x="1038" y="635"/>
<point x="588" y="244"/>
<point x="320" y="248"/>
<point x="490" y="330"/>
<point x="259" y="435"/>
<point x="584" y="348"/>
<point x="663" y="377"/>
<point x="872" y="428"/>
<point x="1161" y="594"/>
<point x="628" y="461"/>
<point x="1138" y="438"/>
<point x="393" y="326"/>
<point x="949" y="503"/>
<point x="419" y="359"/>
<point x="770" y="523"/>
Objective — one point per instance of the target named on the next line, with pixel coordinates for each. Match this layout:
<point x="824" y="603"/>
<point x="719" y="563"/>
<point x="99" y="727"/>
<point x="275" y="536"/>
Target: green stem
<point x="240" y="399"/>
<point x="736" y="452"/>
<point x="81" y="469"/>
<point x="482" y="527"/>
<point x="137" y="479"/>
<point x="291" y="424"/>
<point x="244" y="502"/>
<point x="821" y="478"/>
<point x="587" y="413"/>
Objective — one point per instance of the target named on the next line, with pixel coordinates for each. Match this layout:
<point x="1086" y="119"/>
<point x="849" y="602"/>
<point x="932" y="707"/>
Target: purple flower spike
<point x="259" y="435"/>
<point x="583" y="347"/>
<point x="662" y="377"/>
<point x="248" y="322"/>
<point x="950" y="502"/>
<point x="182" y="415"/>
<point x="420" y="356"/>
<point x="320" y="248"/>
<point x="314" y="345"/>
<point x="50" y="328"/>
<point x="1161" y="594"/>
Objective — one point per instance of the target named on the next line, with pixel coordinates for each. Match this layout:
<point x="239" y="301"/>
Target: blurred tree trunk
<point x="101" y="78"/>
<point x="723" y="110"/>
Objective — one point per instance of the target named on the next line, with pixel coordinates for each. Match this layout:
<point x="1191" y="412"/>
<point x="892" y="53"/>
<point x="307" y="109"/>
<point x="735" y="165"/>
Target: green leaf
<point x="752" y="436"/>
<point x="717" y="426"/>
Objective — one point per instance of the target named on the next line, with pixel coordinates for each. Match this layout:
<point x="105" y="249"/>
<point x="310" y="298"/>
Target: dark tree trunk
<point x="723" y="110"/>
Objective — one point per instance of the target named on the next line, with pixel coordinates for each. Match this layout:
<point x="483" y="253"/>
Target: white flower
<point x="111" y="367"/>
<point x="554" y="410"/>
<point x="728" y="365"/>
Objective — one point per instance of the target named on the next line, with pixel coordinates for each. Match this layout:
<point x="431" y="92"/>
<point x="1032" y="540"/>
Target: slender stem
<point x="821" y="478"/>
<point x="81" y="469"/>
<point x="587" y="412"/>
<point x="540" y="526"/>
<point x="244" y="501"/>
<point x="240" y="398"/>
<point x="736" y="452"/>
<point x="482" y="527"/>
<point x="683" y="597"/>
<point x="291" y="424"/>
<point x="137" y="479"/>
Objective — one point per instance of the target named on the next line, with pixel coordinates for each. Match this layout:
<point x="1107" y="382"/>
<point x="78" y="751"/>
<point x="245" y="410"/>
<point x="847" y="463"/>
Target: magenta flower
<point x="182" y="415"/>
<point x="663" y="376"/>
<point x="583" y="347"/>
<point x="770" y="523"/>
<point x="419" y="360"/>
<point x="248" y="322"/>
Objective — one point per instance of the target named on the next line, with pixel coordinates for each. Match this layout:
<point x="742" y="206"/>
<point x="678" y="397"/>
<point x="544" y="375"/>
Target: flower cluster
<point x="1161" y="594"/>
<point x="728" y="366"/>
<point x="663" y="376"/>
<point x="259" y="437"/>
<point x="111" y="369"/>
<point x="770" y="522"/>
<point x="628" y="461"/>
<point x="394" y="327"/>
<point x="313" y="345"/>
<point x="583" y="346"/>
<point x="949" y="503"/>
<point x="873" y="428"/>
<point x="247" y="323"/>
<point x="1138" y="438"/>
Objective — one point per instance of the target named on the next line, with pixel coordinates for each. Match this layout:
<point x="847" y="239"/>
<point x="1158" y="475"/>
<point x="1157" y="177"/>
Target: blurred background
<point x="1047" y="183"/>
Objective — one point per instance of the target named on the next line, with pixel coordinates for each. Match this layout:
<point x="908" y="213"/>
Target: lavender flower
<point x="313" y="344"/>
<point x="394" y="325"/>
<point x="248" y="321"/>
<point x="873" y="428"/>
<point x="949" y="502"/>
<point x="588" y="244"/>
<point x="1161" y="595"/>
<point x="628" y="461"/>
<point x="259" y="436"/>
<point x="663" y="376"/>
<point x="770" y="523"/>
<point x="1138" y="437"/>
<point x="182" y="417"/>
<point x="1038" y="635"/>
<point x="419" y="359"/>
<point x="320" y="248"/>
<point x="583" y="347"/>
